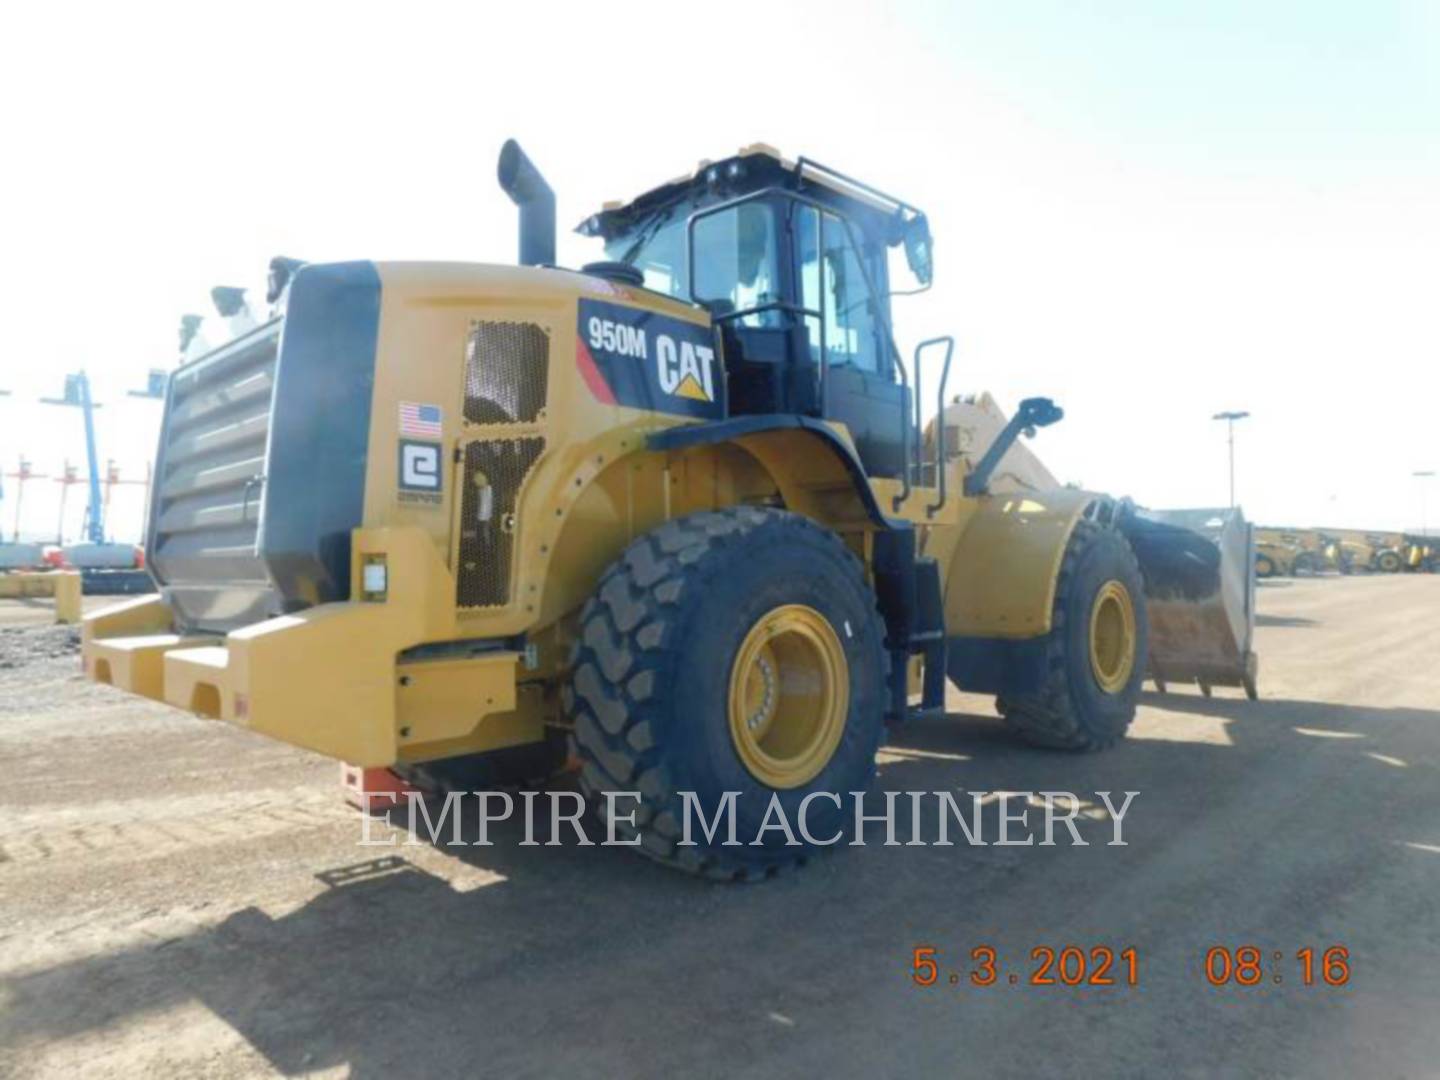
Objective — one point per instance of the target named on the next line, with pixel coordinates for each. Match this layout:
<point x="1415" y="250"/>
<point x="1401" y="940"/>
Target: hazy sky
<point x="1149" y="212"/>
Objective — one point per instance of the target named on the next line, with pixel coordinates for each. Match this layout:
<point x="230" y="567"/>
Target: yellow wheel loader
<point x="1378" y="552"/>
<point x="1421" y="554"/>
<point x="1274" y="559"/>
<point x="1390" y="552"/>
<point x="1289" y="552"/>
<point x="674" y="510"/>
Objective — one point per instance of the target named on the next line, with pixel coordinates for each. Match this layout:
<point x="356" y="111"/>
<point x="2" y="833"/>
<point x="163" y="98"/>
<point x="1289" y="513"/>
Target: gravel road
<point x="183" y="899"/>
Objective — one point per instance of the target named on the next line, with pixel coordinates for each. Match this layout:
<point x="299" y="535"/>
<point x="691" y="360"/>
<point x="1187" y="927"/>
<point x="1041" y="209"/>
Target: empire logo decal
<point x="647" y="361"/>
<point x="421" y="473"/>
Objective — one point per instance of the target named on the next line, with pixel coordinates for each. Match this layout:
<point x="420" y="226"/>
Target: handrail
<point x="949" y="343"/>
<point x="859" y="185"/>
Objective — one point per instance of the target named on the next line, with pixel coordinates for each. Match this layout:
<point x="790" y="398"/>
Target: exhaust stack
<point x="529" y="191"/>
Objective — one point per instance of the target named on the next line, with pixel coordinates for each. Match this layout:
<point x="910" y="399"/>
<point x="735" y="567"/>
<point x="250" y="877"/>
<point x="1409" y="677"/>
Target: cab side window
<point x="832" y="281"/>
<point x="736" y="268"/>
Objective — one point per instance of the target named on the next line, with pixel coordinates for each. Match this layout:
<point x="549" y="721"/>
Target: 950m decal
<point x="638" y="358"/>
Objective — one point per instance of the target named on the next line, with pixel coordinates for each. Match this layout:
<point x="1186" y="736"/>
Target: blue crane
<point x="77" y="392"/>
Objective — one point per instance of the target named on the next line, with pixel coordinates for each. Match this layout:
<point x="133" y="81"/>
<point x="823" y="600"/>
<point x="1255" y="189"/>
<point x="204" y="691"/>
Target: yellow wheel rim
<point x="1112" y="637"/>
<point x="789" y="695"/>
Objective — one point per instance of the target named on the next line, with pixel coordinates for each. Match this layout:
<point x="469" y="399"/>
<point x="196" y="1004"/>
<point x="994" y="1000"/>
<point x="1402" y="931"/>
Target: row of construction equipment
<point x="1298" y="552"/>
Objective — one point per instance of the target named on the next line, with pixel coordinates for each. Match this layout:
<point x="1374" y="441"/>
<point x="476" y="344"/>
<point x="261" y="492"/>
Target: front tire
<point x="1095" y="653"/>
<point x="730" y="651"/>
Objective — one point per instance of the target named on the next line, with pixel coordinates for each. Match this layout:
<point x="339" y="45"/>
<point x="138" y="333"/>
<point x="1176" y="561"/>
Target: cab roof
<point x="753" y="168"/>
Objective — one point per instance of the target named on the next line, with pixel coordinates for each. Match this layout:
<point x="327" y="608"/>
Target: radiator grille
<point x="494" y="471"/>
<point x="210" y="482"/>
<point x="506" y="371"/>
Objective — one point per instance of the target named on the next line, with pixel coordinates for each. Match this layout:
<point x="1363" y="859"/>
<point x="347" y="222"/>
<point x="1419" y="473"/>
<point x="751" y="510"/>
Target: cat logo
<point x="645" y="360"/>
<point x="686" y="370"/>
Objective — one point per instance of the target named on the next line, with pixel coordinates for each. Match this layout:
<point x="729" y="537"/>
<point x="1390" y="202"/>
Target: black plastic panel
<point x="320" y="431"/>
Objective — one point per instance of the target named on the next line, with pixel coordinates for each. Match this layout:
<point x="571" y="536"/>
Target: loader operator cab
<point x="791" y="260"/>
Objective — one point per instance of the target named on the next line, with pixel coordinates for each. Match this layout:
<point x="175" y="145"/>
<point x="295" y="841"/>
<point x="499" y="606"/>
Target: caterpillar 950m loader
<point x="676" y="509"/>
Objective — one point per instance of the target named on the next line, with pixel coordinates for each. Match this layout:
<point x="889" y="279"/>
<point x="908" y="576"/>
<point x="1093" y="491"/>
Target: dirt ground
<point x="183" y="899"/>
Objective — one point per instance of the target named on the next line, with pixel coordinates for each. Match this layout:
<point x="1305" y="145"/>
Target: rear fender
<point x="615" y="491"/>
<point x="816" y="470"/>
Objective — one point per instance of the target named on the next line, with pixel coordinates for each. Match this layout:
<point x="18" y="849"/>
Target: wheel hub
<point x="789" y="696"/>
<point x="1112" y="637"/>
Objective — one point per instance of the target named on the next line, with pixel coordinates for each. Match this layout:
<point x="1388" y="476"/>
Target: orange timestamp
<point x="1102" y="965"/>
<point x="1248" y="965"/>
<point x="1067" y="965"/>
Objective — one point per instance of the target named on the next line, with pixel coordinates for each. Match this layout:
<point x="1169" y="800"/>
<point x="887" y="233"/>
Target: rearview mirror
<point x="918" y="253"/>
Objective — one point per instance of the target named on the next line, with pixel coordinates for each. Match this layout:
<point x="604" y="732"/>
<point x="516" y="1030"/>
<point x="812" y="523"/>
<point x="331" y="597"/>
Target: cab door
<point x="849" y="337"/>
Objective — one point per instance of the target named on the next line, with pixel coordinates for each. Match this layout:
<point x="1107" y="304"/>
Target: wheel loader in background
<point x="1422" y="554"/>
<point x="1290" y="552"/>
<point x="676" y="509"/>
<point x="1277" y="558"/>
<point x="1359" y="550"/>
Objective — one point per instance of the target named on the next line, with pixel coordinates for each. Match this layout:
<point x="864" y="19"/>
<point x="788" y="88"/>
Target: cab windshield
<point x="736" y="264"/>
<point x="657" y="250"/>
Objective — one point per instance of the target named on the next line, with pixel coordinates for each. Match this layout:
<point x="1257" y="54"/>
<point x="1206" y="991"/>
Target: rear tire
<point x="1264" y="566"/>
<point x="1087" y="703"/>
<point x="680" y="648"/>
<point x="1389" y="562"/>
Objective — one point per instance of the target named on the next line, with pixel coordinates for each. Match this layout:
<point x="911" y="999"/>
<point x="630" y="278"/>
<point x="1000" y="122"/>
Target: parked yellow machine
<point x="1274" y="558"/>
<point x="62" y="585"/>
<point x="1289" y="552"/>
<point x="1364" y="550"/>
<point x="676" y="508"/>
<point x="1422" y="554"/>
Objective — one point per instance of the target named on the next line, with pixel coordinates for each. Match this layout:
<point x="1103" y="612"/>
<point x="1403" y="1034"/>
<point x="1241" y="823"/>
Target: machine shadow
<point x="1271" y="718"/>
<point x="1284" y="620"/>
<point x="392" y="968"/>
<point x="1271" y="733"/>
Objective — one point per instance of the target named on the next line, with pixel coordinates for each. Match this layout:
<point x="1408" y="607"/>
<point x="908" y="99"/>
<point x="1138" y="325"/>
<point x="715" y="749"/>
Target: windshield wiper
<point x="648" y="234"/>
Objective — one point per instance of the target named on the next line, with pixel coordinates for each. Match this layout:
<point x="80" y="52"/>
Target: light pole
<point x="1230" y="418"/>
<point x="1422" y="475"/>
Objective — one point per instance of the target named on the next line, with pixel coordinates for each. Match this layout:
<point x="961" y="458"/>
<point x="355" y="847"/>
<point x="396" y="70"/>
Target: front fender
<point x="1002" y="575"/>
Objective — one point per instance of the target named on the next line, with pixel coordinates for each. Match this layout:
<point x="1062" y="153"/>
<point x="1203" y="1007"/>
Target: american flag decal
<point x="422" y="421"/>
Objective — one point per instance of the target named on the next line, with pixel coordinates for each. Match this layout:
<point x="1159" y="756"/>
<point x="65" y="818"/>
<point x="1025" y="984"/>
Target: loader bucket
<point x="1199" y="570"/>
